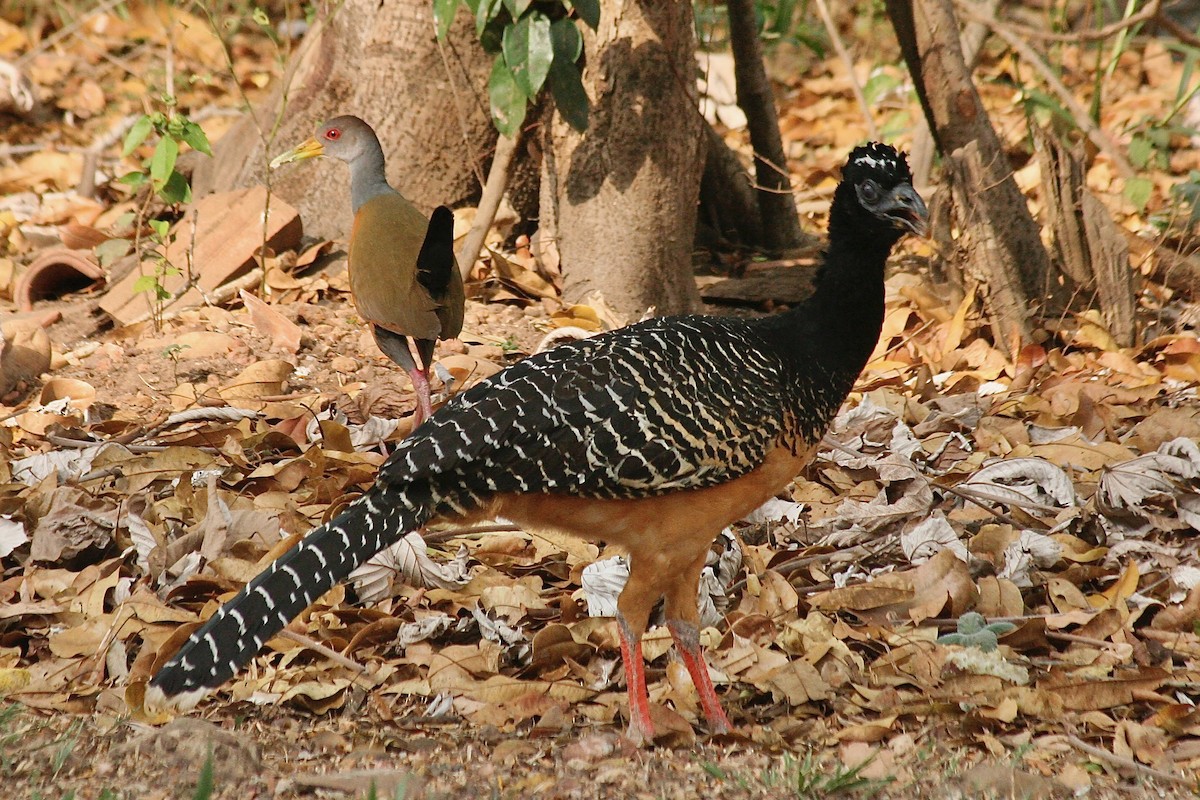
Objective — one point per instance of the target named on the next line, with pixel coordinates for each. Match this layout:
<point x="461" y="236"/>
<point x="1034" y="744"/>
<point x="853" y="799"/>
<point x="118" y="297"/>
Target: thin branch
<point x="1178" y="31"/>
<point x="1128" y="763"/>
<point x="489" y="203"/>
<point x="463" y="533"/>
<point x="68" y="30"/>
<point x="1149" y="13"/>
<point x="461" y="110"/>
<point x="844" y="55"/>
<point x="328" y="652"/>
<point x="1078" y="112"/>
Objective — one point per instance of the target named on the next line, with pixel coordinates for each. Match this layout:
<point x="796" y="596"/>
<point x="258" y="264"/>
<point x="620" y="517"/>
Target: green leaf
<point x="176" y="189"/>
<point x="566" y="41"/>
<point x="1137" y="191"/>
<point x="110" y="250"/>
<point x="879" y="85"/>
<point x="507" y="99"/>
<point x="516" y="8"/>
<point x="485" y="13"/>
<point x="588" y="11"/>
<point x="137" y="134"/>
<point x="443" y="16"/>
<point x="1140" y="151"/>
<point x="146" y="283"/>
<point x="194" y="135"/>
<point x="162" y="163"/>
<point x="529" y="51"/>
<point x="566" y="85"/>
<point x="134" y="179"/>
<point x="160" y="227"/>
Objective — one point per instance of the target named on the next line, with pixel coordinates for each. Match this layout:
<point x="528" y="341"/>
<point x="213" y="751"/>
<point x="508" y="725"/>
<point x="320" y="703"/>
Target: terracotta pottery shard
<point x="228" y="232"/>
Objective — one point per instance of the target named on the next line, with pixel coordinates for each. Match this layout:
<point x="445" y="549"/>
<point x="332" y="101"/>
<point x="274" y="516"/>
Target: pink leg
<point x="687" y="640"/>
<point x="424" y="409"/>
<point x="641" y="730"/>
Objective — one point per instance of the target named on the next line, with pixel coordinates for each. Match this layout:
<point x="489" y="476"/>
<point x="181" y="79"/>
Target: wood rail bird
<point x="654" y="437"/>
<point x="403" y="275"/>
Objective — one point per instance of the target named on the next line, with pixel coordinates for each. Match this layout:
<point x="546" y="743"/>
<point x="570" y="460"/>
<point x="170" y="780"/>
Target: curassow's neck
<point x="835" y="330"/>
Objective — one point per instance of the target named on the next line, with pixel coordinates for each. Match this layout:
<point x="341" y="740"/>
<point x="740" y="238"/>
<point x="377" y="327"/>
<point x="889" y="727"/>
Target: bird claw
<point x="638" y="736"/>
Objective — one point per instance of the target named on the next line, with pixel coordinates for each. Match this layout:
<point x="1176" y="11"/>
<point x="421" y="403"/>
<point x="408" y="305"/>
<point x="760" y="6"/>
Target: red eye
<point x="333" y="133"/>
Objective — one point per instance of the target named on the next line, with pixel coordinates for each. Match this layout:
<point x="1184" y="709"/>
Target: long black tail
<point x="236" y="633"/>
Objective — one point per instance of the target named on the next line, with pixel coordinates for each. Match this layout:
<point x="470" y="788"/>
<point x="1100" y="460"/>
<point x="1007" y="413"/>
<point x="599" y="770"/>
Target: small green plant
<point x="803" y="778"/>
<point x="806" y="778"/>
<point x="536" y="44"/>
<point x="153" y="283"/>
<point x="64" y="747"/>
<point x="172" y="352"/>
<point x="158" y="171"/>
<point x="779" y="21"/>
<point x="173" y="130"/>
<point x="206" y="782"/>
<point x="975" y="631"/>
<point x="10" y="733"/>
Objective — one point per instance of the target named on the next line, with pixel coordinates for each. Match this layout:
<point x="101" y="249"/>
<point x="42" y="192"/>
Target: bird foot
<point x="639" y="736"/>
<point x="687" y="640"/>
<point x="424" y="409"/>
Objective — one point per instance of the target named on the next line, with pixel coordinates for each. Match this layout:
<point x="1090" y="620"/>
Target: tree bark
<point x="982" y="250"/>
<point x="1016" y="269"/>
<point x="1088" y="245"/>
<point x="728" y="205"/>
<point x="780" y="223"/>
<point x="381" y="62"/>
<point x="619" y="200"/>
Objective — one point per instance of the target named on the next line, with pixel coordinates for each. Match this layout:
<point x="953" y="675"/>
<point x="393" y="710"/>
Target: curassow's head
<point x="876" y="197"/>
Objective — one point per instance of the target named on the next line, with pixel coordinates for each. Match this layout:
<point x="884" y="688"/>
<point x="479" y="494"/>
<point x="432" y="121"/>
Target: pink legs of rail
<point x="687" y="640"/>
<point x="424" y="408"/>
<point x="640" y="727"/>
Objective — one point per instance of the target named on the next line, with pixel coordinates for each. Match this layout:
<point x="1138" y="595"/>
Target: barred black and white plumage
<point x="667" y="406"/>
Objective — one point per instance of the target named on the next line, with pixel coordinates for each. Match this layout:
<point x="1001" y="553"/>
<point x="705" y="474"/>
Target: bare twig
<point x="461" y="110"/>
<point x="462" y="533"/>
<point x="1178" y="31"/>
<point x="493" y="192"/>
<point x="1078" y="112"/>
<point x="844" y="55"/>
<point x="68" y="30"/>
<point x="1147" y="14"/>
<point x="328" y="652"/>
<point x="1127" y="763"/>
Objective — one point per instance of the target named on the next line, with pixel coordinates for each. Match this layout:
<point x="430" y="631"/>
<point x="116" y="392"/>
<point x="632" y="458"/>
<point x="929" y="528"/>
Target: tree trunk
<point x="619" y="200"/>
<point x="1016" y="270"/>
<point x="381" y="62"/>
<point x="780" y="223"/>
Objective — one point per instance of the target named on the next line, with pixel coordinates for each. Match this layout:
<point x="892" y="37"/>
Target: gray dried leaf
<point x="12" y="535"/>
<point x="409" y="559"/>
<point x="1159" y="490"/>
<point x="601" y="583"/>
<point x="1025" y="479"/>
<point x="1031" y="549"/>
<point x="496" y="630"/>
<point x="929" y="537"/>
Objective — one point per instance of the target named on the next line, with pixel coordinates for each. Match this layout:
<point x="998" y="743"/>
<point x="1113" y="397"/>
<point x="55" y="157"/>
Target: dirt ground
<point x="269" y="752"/>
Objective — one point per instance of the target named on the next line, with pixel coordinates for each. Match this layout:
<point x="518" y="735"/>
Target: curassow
<point x="404" y="278"/>
<point x="653" y="437"/>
